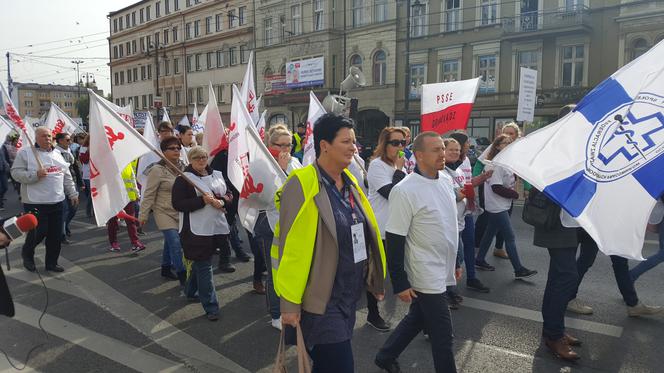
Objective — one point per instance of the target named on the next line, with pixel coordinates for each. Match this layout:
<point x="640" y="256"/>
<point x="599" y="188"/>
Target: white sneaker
<point x="643" y="310"/>
<point x="276" y="323"/>
<point x="576" y="306"/>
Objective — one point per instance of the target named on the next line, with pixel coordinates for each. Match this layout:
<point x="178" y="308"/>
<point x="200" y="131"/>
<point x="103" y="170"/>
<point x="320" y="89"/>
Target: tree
<point x="83" y="108"/>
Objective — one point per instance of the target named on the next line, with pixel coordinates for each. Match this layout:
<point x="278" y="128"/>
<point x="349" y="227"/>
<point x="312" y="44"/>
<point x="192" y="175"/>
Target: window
<point x="165" y="36"/>
<point x="156" y="39"/>
<point x="451" y="16"/>
<point x="218" y="21"/>
<point x="190" y="93"/>
<point x="572" y="65"/>
<point x="127" y="20"/>
<point x="167" y="7"/>
<point x="359" y="18"/>
<point x="168" y="96"/>
<point x="417" y="78"/>
<point x="639" y="47"/>
<point x="220" y="94"/>
<point x="199" y="95"/>
<point x="319" y="21"/>
<point x="241" y="12"/>
<point x="176" y="5"/>
<point x="115" y="52"/>
<point x="142" y="41"/>
<point x="268" y="31"/>
<point x="143" y="74"/>
<point x="573" y="5"/>
<point x="232" y="55"/>
<point x="129" y="76"/>
<point x="418" y="22"/>
<point x="529" y="59"/>
<point x="356" y="61"/>
<point x="209" y="60"/>
<point x="141" y="15"/>
<point x="150" y="100"/>
<point x="135" y="75"/>
<point x="122" y="101"/>
<point x="148" y="41"/>
<point x="122" y="75"/>
<point x="220" y="59"/>
<point x="128" y="47"/>
<point x="296" y="19"/>
<point x="198" y="62"/>
<point x="232" y="19"/>
<point x="133" y="19"/>
<point x="188" y="3"/>
<point x="116" y="79"/>
<point x="187" y="31"/>
<point x="175" y="34"/>
<point x="208" y="25"/>
<point x="133" y="46"/>
<point x="178" y="96"/>
<point x="115" y="25"/>
<point x="121" y="48"/>
<point x="167" y="68"/>
<point x="449" y="70"/>
<point x="488" y="12"/>
<point x="176" y="66"/>
<point x="487" y="72"/>
<point x="379" y="68"/>
<point x="120" y="23"/>
<point x="157" y="9"/>
<point x="189" y="65"/>
<point x="197" y="28"/>
<point x="380" y="10"/>
<point x="147" y="13"/>
<point x="150" y="73"/>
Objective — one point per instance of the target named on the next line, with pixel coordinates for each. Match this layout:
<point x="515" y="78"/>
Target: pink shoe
<point x="115" y="247"/>
<point x="137" y="246"/>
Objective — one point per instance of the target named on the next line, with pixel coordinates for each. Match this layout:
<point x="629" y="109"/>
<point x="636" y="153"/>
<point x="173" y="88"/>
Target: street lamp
<point x="87" y="79"/>
<point x="406" y="105"/>
<point x="78" y="62"/>
<point x="153" y="51"/>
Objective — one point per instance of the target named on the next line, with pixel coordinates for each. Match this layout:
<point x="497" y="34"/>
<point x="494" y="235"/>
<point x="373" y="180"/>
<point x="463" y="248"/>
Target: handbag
<point x="304" y="366"/>
<point x="539" y="211"/>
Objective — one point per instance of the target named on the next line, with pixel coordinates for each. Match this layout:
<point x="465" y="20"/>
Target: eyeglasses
<point x="200" y="158"/>
<point x="166" y="130"/>
<point x="397" y="142"/>
<point x="283" y="146"/>
<point x="174" y="148"/>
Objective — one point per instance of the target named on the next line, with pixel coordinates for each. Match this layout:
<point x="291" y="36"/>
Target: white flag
<point x="214" y="137"/>
<point x="5" y="128"/>
<point x="59" y="122"/>
<point x="238" y="162"/>
<point x="29" y="130"/>
<point x="184" y="122"/>
<point x="260" y="126"/>
<point x="9" y="109"/>
<point x="151" y="135"/>
<point x="248" y="91"/>
<point x="316" y="110"/>
<point x="262" y="181"/>
<point x="125" y="112"/>
<point x="197" y="121"/>
<point x="113" y="145"/>
<point x="166" y="117"/>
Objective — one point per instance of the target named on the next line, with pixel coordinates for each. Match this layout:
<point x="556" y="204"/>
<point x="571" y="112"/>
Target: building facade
<point x="165" y="53"/>
<point x="34" y="100"/>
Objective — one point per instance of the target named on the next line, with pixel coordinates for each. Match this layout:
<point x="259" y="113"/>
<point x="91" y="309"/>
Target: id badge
<point x="359" y="245"/>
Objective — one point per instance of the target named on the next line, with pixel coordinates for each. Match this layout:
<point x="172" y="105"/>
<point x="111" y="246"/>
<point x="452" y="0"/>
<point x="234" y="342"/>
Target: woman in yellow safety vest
<point x="327" y="249"/>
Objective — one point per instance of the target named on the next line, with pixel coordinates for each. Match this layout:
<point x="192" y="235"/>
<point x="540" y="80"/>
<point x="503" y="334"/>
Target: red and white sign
<point x="447" y="106"/>
<point x="316" y="110"/>
<point x="125" y="112"/>
<point x="10" y="110"/>
<point x="59" y="122"/>
<point x="260" y="126"/>
<point x="114" y="143"/>
<point x="238" y="152"/>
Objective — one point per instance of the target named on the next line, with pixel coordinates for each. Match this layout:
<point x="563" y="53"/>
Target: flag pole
<point x="30" y="143"/>
<point x="147" y="143"/>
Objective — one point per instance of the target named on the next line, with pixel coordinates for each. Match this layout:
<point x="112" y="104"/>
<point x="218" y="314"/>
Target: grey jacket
<point x="21" y="173"/>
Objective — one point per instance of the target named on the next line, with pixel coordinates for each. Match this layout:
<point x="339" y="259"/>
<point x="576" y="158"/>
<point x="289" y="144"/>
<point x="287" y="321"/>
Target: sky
<point x="44" y="36"/>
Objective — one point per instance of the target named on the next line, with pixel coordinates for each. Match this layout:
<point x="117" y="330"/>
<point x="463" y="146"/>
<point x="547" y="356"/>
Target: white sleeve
<point x="378" y="175"/>
<point x="498" y="176"/>
<point x="400" y="212"/>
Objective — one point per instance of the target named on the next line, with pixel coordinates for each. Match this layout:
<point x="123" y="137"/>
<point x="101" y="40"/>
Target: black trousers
<point x="427" y="312"/>
<point x="560" y="286"/>
<point x="332" y="358"/>
<point x="49" y="218"/>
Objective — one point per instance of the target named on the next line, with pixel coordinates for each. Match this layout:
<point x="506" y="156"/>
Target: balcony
<point x="540" y="22"/>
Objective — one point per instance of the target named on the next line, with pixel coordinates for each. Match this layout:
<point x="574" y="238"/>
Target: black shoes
<point x="453" y="300"/>
<point x="29" y="265"/>
<point x="524" y="273"/>
<point x="55" y="268"/>
<point x="242" y="256"/>
<point x="226" y="268"/>
<point x="476" y="285"/>
<point x="484" y="266"/>
<point x="389" y="367"/>
<point x="378" y="323"/>
<point x="167" y="273"/>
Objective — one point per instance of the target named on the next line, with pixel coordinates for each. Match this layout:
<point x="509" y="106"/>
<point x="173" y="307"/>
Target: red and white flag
<point x="214" y="137"/>
<point x="125" y="112"/>
<point x="262" y="180"/>
<point x="113" y="145"/>
<point x="5" y="128"/>
<point x="151" y="136"/>
<point x="316" y="110"/>
<point x="197" y="121"/>
<point x="9" y="109"/>
<point x="260" y="126"/>
<point x="59" y="122"/>
<point x="238" y="152"/>
<point x="248" y="91"/>
<point x="447" y="106"/>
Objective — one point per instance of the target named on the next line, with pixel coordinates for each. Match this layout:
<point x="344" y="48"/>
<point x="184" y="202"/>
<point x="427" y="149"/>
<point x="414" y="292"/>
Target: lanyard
<point x="351" y="200"/>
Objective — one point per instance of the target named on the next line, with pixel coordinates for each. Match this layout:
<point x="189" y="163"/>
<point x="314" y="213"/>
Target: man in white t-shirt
<point x="422" y="240"/>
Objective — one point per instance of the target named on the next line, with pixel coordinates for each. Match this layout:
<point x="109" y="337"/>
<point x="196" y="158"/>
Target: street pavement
<point x="112" y="312"/>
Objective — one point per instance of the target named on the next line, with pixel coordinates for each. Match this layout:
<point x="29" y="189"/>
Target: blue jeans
<point x="263" y="236"/>
<point x="68" y="213"/>
<point x="200" y="280"/>
<point x="468" y="241"/>
<point x="653" y="260"/>
<point x="172" y="254"/>
<point x="560" y="285"/>
<point x="499" y="222"/>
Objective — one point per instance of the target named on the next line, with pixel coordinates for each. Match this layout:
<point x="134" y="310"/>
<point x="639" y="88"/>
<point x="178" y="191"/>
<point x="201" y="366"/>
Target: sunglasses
<point x="175" y="148"/>
<point x="397" y="142"/>
<point x="200" y="158"/>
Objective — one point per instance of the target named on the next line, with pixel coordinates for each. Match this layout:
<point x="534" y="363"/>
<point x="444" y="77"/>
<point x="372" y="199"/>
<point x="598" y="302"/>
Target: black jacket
<point x="557" y="238"/>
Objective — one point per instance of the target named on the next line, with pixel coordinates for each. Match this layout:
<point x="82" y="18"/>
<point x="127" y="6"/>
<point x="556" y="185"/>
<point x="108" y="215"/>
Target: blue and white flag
<point x="604" y="161"/>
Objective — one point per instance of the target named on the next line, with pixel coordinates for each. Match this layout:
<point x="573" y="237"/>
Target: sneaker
<point x="454" y="297"/>
<point x="452" y="303"/>
<point x="242" y="256"/>
<point x="379" y="324"/>
<point x="212" y="316"/>
<point x="524" y="273"/>
<point x="388" y="366"/>
<point x="226" y="268"/>
<point x="643" y="310"/>
<point x="140" y="232"/>
<point x="115" y="247"/>
<point x="500" y="253"/>
<point x="484" y="266"/>
<point x="276" y="323"/>
<point x="576" y="306"/>
<point x="138" y="246"/>
<point x="122" y="223"/>
<point x="477" y="285"/>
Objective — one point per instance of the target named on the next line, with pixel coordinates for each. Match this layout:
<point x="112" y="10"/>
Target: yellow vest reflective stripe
<point x="291" y="272"/>
<point x="298" y="142"/>
<point x="129" y="179"/>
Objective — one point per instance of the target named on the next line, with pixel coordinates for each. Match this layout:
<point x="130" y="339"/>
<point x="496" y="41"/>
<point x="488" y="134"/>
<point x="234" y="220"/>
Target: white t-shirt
<point x="424" y="210"/>
<point x="457" y="178"/>
<point x="379" y="174"/>
<point x="355" y="168"/>
<point x="492" y="202"/>
<point x="465" y="170"/>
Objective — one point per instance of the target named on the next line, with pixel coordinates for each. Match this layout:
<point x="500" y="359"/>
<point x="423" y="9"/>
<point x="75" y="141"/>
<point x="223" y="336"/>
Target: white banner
<point x="305" y="73"/>
<point x="527" y="95"/>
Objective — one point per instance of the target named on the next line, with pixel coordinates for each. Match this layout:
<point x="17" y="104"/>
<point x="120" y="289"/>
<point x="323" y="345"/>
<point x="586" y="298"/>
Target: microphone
<point x="16" y="227"/>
